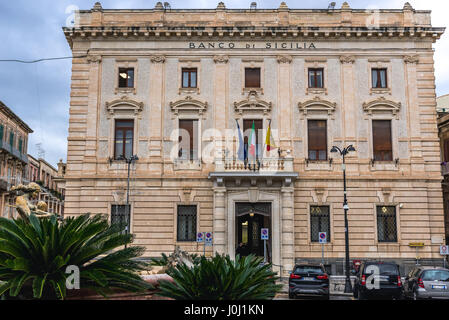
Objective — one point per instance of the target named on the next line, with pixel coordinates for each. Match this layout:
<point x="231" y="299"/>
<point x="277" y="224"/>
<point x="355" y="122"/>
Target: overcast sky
<point x="40" y="93"/>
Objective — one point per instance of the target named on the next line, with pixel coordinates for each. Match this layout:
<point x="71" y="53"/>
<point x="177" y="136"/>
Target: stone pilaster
<point x="349" y="108"/>
<point x="93" y="108"/>
<point x="287" y="229"/>
<point x="220" y="93"/>
<point x="414" y="129"/>
<point x="157" y="90"/>
<point x="284" y="105"/>
<point x="219" y="220"/>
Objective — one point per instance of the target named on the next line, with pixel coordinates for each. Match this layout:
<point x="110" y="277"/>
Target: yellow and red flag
<point x="269" y="141"/>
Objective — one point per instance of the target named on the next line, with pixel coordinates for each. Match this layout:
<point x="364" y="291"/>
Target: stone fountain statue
<point x="23" y="202"/>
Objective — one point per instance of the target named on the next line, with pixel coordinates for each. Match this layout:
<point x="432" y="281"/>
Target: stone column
<point x="94" y="101"/>
<point x="287" y="228"/>
<point x="349" y="108"/>
<point x="285" y="111"/>
<point x="156" y="93"/>
<point x="219" y="219"/>
<point x="220" y="104"/>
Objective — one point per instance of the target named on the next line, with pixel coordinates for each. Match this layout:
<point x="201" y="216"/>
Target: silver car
<point x="427" y="283"/>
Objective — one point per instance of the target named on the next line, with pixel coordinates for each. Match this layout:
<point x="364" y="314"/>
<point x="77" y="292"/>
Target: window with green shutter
<point x="20" y="145"/>
<point x="1" y="132"/>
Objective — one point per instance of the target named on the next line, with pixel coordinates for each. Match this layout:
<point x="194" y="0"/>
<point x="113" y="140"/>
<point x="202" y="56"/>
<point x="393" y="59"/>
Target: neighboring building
<point x="155" y="83"/>
<point x="443" y="132"/>
<point x="13" y="156"/>
<point x="45" y="175"/>
<point x="443" y="104"/>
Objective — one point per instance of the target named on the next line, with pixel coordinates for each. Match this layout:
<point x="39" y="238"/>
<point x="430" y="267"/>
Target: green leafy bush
<point x="34" y="257"/>
<point x="221" y="278"/>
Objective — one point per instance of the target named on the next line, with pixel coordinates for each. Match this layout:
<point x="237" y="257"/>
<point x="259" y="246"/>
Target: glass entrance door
<point x="250" y="219"/>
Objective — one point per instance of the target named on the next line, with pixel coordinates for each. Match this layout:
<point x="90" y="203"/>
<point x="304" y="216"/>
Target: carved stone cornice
<point x="188" y="105"/>
<point x="382" y="105"/>
<point x="253" y="104"/>
<point x="347" y="59"/>
<point x="221" y="58"/>
<point x="94" y="59"/>
<point x="413" y="59"/>
<point x="157" y="59"/>
<point x="124" y="105"/>
<point x="284" y="59"/>
<point x="317" y="105"/>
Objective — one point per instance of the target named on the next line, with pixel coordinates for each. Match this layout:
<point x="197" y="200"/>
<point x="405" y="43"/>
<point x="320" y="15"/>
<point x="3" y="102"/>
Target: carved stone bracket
<point x="317" y="105"/>
<point x="157" y="59"/>
<point x="414" y="59"/>
<point x="382" y="105"/>
<point x="93" y="59"/>
<point x="347" y="59"/>
<point x="221" y="58"/>
<point x="124" y="104"/>
<point x="252" y="104"/>
<point x="284" y="59"/>
<point x="188" y="104"/>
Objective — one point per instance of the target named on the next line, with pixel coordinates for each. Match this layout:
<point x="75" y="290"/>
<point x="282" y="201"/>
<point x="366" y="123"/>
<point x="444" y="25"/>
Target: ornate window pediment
<point x="124" y="106"/>
<point x="252" y="104"/>
<point x="317" y="105"/>
<point x="382" y="105"/>
<point x="188" y="105"/>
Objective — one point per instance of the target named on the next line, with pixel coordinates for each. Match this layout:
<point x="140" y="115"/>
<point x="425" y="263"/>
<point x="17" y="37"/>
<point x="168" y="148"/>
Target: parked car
<point x="425" y="282"/>
<point x="308" y="280"/>
<point x="377" y="279"/>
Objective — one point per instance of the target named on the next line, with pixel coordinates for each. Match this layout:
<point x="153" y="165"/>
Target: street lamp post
<point x="345" y="151"/>
<point x="128" y="161"/>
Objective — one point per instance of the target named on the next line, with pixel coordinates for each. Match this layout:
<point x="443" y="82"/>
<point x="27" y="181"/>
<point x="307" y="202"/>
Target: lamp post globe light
<point x="343" y="153"/>
<point x="128" y="161"/>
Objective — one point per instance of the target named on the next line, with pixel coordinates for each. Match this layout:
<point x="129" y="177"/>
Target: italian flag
<point x="252" y="142"/>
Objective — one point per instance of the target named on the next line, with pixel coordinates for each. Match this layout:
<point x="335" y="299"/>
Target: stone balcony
<point x="265" y="170"/>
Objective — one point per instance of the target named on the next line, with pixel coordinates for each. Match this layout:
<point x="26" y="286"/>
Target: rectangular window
<point x="20" y="145"/>
<point x="11" y="139"/>
<point x="188" y="140"/>
<point x="386" y="224"/>
<point x="247" y="128"/>
<point x="124" y="138"/>
<point x="187" y="223"/>
<point x="2" y="128"/>
<point x="316" y="78"/>
<point x="317" y="139"/>
<point x="189" y="77"/>
<point x="121" y="215"/>
<point x="252" y="77"/>
<point x="126" y="78"/>
<point x="319" y="222"/>
<point x="382" y="146"/>
<point x="379" y="78"/>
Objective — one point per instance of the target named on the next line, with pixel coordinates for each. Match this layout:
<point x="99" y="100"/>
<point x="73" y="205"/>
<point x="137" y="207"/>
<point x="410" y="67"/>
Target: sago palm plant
<point x="34" y="257"/>
<point x="221" y="278"/>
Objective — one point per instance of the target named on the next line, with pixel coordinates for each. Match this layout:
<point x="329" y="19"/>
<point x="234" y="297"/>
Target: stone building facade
<point x="317" y="78"/>
<point x="45" y="175"/>
<point x="13" y="156"/>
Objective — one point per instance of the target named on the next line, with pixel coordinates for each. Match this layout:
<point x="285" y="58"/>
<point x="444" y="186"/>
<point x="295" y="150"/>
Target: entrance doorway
<point x="250" y="219"/>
